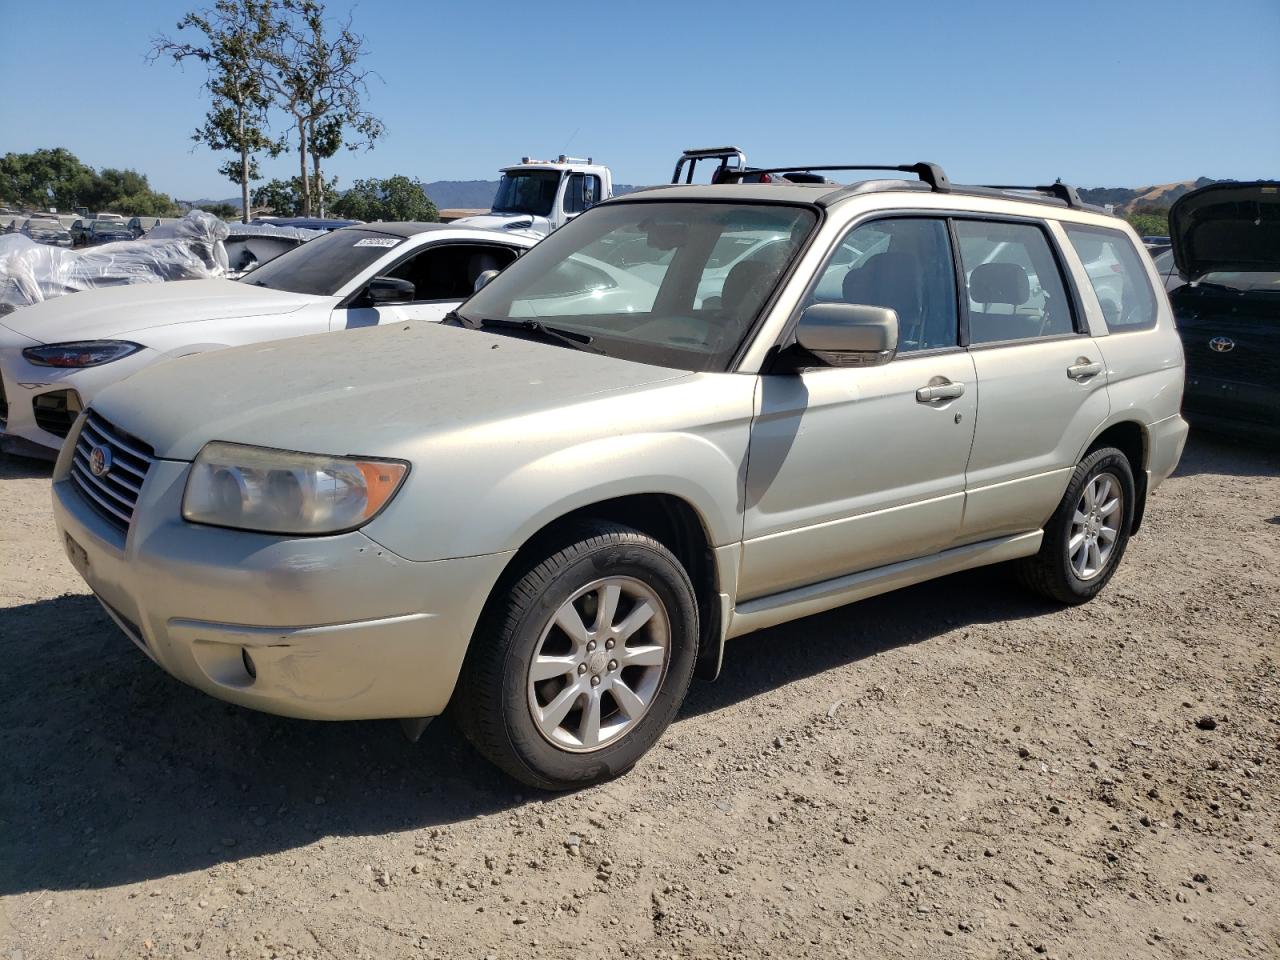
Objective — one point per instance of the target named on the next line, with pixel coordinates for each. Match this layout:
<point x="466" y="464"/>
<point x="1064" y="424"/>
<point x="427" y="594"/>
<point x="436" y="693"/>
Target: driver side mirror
<point x="849" y="334"/>
<point x="388" y="290"/>
<point x="484" y="279"/>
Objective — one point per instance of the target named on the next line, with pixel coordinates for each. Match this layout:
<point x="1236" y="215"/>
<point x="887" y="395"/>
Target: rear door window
<point x="1015" y="288"/>
<point x="1118" y="275"/>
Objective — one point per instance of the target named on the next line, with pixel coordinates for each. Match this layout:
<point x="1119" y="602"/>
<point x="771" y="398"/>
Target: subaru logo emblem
<point x="99" y="461"/>
<point x="1222" y="344"/>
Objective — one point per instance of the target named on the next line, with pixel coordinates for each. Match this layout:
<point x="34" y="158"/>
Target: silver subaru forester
<point x="691" y="413"/>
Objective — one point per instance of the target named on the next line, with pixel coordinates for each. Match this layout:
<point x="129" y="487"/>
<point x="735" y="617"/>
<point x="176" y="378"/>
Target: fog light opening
<point x="249" y="667"/>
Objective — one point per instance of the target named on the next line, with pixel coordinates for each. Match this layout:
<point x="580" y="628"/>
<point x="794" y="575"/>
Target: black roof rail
<point x="929" y="173"/>
<point x="1067" y="194"/>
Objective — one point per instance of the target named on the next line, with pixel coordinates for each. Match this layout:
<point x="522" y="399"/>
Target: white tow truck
<point x="538" y="196"/>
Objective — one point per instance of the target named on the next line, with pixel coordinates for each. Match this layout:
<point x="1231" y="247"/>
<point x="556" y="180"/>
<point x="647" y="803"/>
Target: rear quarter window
<point x="1118" y="275"/>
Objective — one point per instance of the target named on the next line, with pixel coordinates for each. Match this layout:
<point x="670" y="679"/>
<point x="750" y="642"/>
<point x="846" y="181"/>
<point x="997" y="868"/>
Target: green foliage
<point x="395" y="198"/>
<point x="26" y="179"/>
<point x="284" y="197"/>
<point x="223" y="211"/>
<point x="1149" y="221"/>
<point x="235" y="36"/>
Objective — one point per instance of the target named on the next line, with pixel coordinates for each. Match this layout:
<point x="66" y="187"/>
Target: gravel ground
<point x="956" y="770"/>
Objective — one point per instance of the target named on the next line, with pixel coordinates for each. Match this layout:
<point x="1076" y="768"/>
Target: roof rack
<point x="722" y="154"/>
<point x="1067" y="194"/>
<point x="929" y="173"/>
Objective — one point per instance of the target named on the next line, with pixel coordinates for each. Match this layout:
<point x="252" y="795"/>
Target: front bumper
<point x="323" y="628"/>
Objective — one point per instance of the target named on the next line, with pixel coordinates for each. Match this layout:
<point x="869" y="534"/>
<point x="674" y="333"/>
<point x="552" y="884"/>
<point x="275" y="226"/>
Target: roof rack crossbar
<point x="929" y="173"/>
<point x="722" y="154"/>
<point x="1064" y="192"/>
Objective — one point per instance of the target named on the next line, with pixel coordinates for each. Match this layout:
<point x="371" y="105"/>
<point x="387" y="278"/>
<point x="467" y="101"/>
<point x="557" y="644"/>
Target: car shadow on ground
<point x="1228" y="456"/>
<point x="116" y="773"/>
<point x="24" y="468"/>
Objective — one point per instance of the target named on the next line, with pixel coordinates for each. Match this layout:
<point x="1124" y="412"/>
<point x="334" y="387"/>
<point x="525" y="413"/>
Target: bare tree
<point x="320" y="82"/>
<point x="237" y="35"/>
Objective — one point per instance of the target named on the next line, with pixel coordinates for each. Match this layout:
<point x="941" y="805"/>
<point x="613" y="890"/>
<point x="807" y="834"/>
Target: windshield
<point x="527" y="191"/>
<point x="673" y="284"/>
<point x="108" y="225"/>
<point x="323" y="266"/>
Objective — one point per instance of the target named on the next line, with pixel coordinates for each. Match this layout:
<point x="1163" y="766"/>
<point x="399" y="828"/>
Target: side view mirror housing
<point x="483" y="280"/>
<point x="849" y="334"/>
<point x="389" y="290"/>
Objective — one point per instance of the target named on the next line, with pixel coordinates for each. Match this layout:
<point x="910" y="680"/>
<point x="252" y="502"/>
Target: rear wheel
<point x="577" y="669"/>
<point x="1087" y="535"/>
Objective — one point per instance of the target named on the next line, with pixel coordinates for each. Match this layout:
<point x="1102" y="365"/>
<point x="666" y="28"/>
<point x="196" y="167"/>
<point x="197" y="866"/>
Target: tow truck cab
<point x="539" y="196"/>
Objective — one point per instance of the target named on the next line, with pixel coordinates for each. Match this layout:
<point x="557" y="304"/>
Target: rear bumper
<point x="1226" y="406"/>
<point x="1166" y="440"/>
<point x="323" y="628"/>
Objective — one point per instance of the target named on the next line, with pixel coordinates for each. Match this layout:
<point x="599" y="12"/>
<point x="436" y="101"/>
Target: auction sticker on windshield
<point x="377" y="242"/>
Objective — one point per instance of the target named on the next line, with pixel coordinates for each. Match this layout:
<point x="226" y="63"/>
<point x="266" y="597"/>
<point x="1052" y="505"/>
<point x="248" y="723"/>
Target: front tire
<point x="1087" y="534"/>
<point x="578" y="667"/>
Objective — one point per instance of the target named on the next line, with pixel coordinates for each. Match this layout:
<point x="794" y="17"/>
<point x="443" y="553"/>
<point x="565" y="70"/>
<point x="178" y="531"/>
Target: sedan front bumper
<point x="323" y="628"/>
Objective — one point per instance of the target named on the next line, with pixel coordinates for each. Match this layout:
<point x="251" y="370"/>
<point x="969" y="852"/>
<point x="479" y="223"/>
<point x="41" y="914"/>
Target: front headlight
<point x="80" y="353"/>
<point x="276" y="491"/>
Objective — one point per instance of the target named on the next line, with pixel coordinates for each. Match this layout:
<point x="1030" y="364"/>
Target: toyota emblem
<point x="99" y="461"/>
<point x="1222" y="344"/>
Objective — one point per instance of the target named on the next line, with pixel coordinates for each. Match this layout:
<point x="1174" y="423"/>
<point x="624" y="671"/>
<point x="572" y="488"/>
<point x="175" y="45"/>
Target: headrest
<point x="999" y="283"/>
<point x="886" y="279"/>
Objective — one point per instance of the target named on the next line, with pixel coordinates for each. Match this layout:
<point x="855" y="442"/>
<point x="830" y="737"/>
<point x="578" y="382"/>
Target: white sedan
<point x="56" y="355"/>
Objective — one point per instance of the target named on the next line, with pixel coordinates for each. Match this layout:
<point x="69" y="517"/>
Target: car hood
<point x="519" y="223"/>
<point x="113" y="311"/>
<point x="375" y="391"/>
<point x="1227" y="227"/>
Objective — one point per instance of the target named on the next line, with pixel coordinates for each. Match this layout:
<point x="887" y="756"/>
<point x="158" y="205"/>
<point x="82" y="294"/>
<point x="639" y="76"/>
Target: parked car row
<point x="687" y="414"/>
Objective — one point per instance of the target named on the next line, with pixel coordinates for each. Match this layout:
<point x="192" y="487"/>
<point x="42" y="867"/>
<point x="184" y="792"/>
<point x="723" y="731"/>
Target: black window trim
<point x="1111" y="331"/>
<point x="1075" y="305"/>
<point x="348" y="302"/>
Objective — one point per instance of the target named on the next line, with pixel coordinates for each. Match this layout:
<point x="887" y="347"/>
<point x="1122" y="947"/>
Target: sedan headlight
<point x="276" y="491"/>
<point x="80" y="353"/>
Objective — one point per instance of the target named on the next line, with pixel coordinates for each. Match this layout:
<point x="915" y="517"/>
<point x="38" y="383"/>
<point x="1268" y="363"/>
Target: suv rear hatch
<point x="1226" y="244"/>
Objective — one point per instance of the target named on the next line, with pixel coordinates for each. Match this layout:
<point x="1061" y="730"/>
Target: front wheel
<point x="575" y="671"/>
<point x="1087" y="534"/>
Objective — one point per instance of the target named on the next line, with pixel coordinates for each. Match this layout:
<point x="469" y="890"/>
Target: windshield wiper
<point x="571" y="338"/>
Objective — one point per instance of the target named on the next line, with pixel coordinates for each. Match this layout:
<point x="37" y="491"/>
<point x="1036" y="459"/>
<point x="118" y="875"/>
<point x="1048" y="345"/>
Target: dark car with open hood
<point x="1226" y="245"/>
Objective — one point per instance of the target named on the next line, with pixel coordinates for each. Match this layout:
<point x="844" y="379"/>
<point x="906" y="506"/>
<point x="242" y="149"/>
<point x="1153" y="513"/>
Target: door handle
<point x="1084" y="369"/>
<point x="937" y="392"/>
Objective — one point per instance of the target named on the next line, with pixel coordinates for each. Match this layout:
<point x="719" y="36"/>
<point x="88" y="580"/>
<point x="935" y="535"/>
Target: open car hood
<point x="1227" y="227"/>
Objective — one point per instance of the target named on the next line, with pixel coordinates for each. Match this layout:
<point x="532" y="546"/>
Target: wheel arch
<point x="670" y="519"/>
<point x="1131" y="438"/>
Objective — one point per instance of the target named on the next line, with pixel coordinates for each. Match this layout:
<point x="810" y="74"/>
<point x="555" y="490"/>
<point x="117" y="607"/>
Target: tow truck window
<point x="527" y="191"/>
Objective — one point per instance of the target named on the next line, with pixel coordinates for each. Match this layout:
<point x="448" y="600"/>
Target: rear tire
<point x="1086" y="537"/>
<point x="581" y="663"/>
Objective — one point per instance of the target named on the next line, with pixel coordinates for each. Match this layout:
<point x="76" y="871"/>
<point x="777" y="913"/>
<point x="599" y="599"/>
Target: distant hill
<point x="1126" y="199"/>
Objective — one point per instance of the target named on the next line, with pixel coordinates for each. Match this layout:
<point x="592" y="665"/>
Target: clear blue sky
<point x="1119" y="93"/>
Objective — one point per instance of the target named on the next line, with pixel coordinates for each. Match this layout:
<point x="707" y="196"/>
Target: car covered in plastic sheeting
<point x="32" y="272"/>
<point x="250" y="245"/>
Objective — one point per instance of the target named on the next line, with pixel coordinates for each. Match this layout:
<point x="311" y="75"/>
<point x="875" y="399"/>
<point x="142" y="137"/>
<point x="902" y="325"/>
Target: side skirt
<point x="828" y="594"/>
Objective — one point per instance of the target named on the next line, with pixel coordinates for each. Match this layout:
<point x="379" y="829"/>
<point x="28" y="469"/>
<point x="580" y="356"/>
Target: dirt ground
<point x="956" y="770"/>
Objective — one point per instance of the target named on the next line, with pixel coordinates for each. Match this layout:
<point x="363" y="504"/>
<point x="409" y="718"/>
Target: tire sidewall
<point x="1106" y="460"/>
<point x="668" y="580"/>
